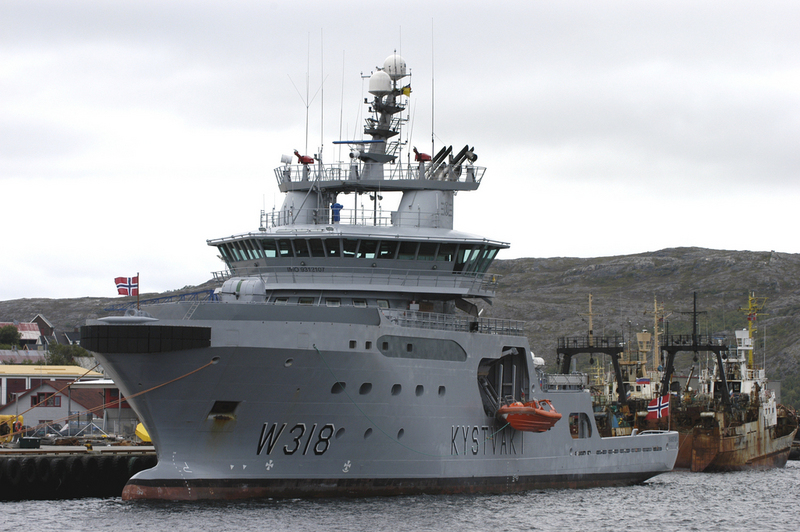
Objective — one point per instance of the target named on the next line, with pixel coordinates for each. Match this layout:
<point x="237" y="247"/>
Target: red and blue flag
<point x="658" y="407"/>
<point x="127" y="286"/>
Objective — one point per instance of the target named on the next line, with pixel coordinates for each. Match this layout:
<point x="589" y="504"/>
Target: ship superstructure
<point x="344" y="352"/>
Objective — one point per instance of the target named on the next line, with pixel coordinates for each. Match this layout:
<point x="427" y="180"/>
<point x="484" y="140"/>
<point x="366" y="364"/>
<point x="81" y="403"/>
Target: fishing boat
<point x="727" y="416"/>
<point x="344" y="352"/>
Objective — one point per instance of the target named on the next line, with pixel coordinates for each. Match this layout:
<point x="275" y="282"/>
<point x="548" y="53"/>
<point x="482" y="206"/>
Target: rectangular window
<point x="427" y="251"/>
<point x="473" y="258"/>
<point x="306" y="301"/>
<point x="488" y="257"/>
<point x="446" y="252"/>
<point x="368" y="249"/>
<point x="316" y="247"/>
<point x="285" y="248"/>
<point x="387" y="249"/>
<point x="46" y="399"/>
<point x="408" y="250"/>
<point x="333" y="246"/>
<point x="240" y="250"/>
<point x="360" y="303"/>
<point x="269" y="247"/>
<point x="383" y="303"/>
<point x="349" y="247"/>
<point x="333" y="302"/>
<point x="234" y="252"/>
<point x="464" y="253"/>
<point x="223" y="250"/>
<point x="281" y="300"/>
<point x="253" y="248"/>
<point x="301" y="248"/>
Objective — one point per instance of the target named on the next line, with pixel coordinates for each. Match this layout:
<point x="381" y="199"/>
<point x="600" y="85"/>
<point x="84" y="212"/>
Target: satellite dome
<point x="380" y="83"/>
<point x="395" y="66"/>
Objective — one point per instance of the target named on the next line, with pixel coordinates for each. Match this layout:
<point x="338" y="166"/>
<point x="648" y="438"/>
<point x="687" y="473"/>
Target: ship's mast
<point x="754" y="307"/>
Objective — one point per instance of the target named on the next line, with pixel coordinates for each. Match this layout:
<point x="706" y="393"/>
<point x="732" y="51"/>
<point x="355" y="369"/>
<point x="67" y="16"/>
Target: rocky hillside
<point x="551" y="295"/>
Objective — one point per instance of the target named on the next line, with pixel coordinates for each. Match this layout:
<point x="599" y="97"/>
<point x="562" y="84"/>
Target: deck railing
<point x="451" y="322"/>
<point x="369" y="278"/>
<point x="351" y="171"/>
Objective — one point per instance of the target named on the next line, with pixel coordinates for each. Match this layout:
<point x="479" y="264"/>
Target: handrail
<point x="351" y="171"/>
<point x="452" y="322"/>
<point x="372" y="277"/>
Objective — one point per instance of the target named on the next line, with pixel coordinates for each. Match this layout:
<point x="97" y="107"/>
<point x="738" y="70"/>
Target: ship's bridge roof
<point x="358" y="231"/>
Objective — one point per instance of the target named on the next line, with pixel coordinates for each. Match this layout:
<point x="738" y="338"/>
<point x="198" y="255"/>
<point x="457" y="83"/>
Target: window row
<point x="467" y="257"/>
<point x="328" y="301"/>
<point x="397" y="389"/>
<point x="45" y="399"/>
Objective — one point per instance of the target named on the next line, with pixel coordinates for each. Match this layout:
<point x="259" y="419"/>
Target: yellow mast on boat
<point x="754" y="307"/>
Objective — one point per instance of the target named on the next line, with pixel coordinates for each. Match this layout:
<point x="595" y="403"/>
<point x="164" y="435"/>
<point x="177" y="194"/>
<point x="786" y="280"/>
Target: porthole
<point x="338" y="387"/>
<point x="396" y="389"/>
<point x="420" y="390"/>
<point x="289" y="362"/>
<point x="365" y="388"/>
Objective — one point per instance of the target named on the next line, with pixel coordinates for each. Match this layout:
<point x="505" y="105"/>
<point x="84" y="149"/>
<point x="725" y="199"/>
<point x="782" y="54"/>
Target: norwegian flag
<point x="127" y="286"/>
<point x="658" y="407"/>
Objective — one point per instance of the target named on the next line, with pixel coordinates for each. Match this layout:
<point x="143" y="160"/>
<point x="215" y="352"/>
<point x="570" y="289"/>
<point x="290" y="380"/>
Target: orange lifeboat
<point x="533" y="416"/>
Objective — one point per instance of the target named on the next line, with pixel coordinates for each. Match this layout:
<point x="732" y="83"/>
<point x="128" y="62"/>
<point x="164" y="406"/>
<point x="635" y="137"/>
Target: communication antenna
<point x="433" y="93"/>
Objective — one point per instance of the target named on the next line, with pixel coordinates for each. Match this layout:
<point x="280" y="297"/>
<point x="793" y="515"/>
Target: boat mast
<point x="754" y="307"/>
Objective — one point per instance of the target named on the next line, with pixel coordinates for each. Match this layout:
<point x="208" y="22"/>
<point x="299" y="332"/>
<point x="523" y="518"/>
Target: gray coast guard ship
<point x="344" y="354"/>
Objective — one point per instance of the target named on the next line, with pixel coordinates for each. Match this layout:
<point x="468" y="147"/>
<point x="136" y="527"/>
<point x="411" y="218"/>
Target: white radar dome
<point x="395" y="66"/>
<point x="380" y="83"/>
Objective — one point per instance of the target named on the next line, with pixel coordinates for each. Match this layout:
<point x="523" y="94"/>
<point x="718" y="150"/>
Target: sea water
<point x="747" y="500"/>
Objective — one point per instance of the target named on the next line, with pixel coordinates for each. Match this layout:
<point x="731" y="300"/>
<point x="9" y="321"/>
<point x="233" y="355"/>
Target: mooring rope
<point x="110" y="403"/>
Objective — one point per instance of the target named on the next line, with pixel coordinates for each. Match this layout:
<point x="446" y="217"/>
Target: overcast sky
<point x="131" y="132"/>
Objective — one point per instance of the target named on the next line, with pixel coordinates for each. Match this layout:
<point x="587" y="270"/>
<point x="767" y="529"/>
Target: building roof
<point x="87" y="400"/>
<point x="45" y="320"/>
<point x="27" y="331"/>
<point x="50" y="372"/>
<point x="12" y="356"/>
<point x="71" y="338"/>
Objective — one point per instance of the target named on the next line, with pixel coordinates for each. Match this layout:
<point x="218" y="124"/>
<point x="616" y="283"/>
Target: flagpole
<point x="138" y="290"/>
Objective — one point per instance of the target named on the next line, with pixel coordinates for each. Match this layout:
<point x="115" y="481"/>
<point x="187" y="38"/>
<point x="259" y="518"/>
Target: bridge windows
<point x="285" y="248"/>
<point x="387" y="249"/>
<point x="446" y="252"/>
<point x="408" y="250"/>
<point x="465" y="258"/>
<point x="427" y="251"/>
<point x="367" y="249"/>
<point x="349" y="247"/>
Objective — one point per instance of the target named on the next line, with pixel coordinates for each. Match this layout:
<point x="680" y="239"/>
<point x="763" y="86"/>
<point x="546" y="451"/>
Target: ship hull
<point x="289" y="408"/>
<point x="751" y="447"/>
<point x="748" y="446"/>
<point x="230" y="489"/>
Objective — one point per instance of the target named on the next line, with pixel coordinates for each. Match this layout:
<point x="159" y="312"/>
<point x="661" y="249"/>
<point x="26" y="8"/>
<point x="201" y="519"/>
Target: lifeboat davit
<point x="533" y="416"/>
